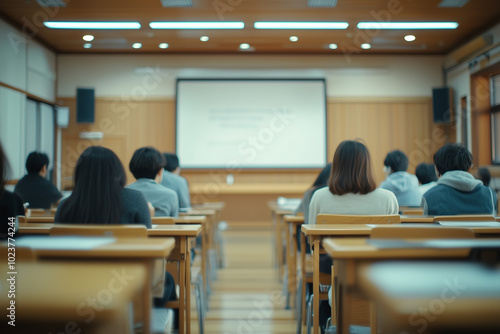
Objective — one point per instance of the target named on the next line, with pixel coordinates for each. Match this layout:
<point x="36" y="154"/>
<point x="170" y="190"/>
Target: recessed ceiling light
<point x="301" y="25"/>
<point x="92" y="25"/>
<point x="163" y="45"/>
<point x="407" y="25"/>
<point x="244" y="46"/>
<point x="332" y="46"/>
<point x="88" y="38"/>
<point x="366" y="46"/>
<point x="87" y="45"/>
<point x="410" y="38"/>
<point x="196" y="25"/>
<point x="294" y="38"/>
<point x="204" y="38"/>
<point x="137" y="45"/>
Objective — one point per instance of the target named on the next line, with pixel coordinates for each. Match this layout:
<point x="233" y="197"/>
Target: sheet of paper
<point x="470" y="223"/>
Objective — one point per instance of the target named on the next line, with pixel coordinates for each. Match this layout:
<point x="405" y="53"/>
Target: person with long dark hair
<point x="10" y="204"/>
<point x="99" y="196"/>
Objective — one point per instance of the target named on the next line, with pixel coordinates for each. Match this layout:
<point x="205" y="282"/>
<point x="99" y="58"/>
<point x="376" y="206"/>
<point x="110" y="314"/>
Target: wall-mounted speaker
<point x="442" y="109"/>
<point x="85" y="105"/>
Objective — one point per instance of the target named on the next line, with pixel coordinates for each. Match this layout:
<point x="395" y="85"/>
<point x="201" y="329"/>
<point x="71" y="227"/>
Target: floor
<point x="247" y="296"/>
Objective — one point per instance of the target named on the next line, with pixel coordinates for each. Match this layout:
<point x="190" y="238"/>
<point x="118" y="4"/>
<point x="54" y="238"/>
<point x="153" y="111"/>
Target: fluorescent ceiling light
<point x="301" y="25"/>
<point x="196" y="25"/>
<point x="88" y="38"/>
<point x="407" y="25"/>
<point x="92" y="25"/>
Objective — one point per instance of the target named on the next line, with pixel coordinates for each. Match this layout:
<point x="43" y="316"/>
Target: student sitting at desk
<point x="99" y="197"/>
<point x="320" y="182"/>
<point x="426" y="175"/>
<point x="173" y="180"/>
<point x="10" y="204"/>
<point x="147" y="167"/>
<point x="403" y="184"/>
<point x="457" y="192"/>
<point x="34" y="188"/>
<point x="351" y="191"/>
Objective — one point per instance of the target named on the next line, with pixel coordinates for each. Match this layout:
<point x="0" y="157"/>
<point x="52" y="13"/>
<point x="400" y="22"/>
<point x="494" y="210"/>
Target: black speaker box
<point x="442" y="105"/>
<point x="85" y="105"/>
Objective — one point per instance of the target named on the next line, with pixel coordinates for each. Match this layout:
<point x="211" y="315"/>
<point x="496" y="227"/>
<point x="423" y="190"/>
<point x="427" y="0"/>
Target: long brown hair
<point x="352" y="169"/>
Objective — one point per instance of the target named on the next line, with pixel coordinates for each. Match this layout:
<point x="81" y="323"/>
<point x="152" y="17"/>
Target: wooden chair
<point x="45" y="219"/>
<point x="127" y="231"/>
<point x="162" y="221"/>
<point x="412" y="211"/>
<point x="420" y="232"/>
<point x="464" y="218"/>
<point x="358" y="219"/>
<point x="21" y="219"/>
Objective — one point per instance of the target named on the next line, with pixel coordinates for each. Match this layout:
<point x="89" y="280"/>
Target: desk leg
<point x="316" y="248"/>
<point x="147" y="298"/>
<point x="188" y="288"/>
<point x="303" y="271"/>
<point x="344" y="297"/>
<point x="204" y="266"/>
<point x="293" y="265"/>
<point x="182" y="284"/>
<point x="288" y="266"/>
<point x="279" y="246"/>
<point x="373" y="318"/>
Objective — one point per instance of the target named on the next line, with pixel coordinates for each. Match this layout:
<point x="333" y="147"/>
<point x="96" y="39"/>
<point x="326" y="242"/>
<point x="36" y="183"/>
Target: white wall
<point x="12" y="57"/>
<point x="130" y="76"/>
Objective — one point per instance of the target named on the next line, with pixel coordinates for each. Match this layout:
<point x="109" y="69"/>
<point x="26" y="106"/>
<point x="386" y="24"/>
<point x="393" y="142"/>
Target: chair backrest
<point x="21" y="219"/>
<point x="128" y="231"/>
<point x="358" y="219"/>
<point x="45" y="219"/>
<point x="420" y="232"/>
<point x="464" y="218"/>
<point x="412" y="211"/>
<point x="162" y="220"/>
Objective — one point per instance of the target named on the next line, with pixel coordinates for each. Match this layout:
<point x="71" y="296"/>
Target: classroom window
<point x="495" y="118"/>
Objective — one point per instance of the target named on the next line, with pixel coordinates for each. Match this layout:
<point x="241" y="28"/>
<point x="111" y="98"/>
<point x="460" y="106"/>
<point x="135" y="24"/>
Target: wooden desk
<point x="48" y="219"/>
<point x="48" y="294"/>
<point x="140" y="251"/>
<point x="349" y="253"/>
<point x="279" y="228"/>
<point x="205" y="265"/>
<point x="181" y="253"/>
<point x="455" y="296"/>
<point x="316" y="232"/>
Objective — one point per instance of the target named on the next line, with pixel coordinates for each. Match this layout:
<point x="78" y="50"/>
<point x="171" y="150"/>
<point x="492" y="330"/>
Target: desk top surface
<point x="52" y="291"/>
<point x="188" y="230"/>
<point x="196" y="219"/>
<point x="359" y="248"/>
<point x="131" y="248"/>
<point x="469" y="292"/>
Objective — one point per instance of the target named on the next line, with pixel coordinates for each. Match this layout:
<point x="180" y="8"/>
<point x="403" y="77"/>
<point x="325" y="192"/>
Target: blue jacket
<point x="405" y="186"/>
<point x="459" y="193"/>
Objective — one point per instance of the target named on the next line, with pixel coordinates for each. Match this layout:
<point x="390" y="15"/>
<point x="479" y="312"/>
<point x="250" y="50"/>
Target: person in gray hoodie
<point x="403" y="184"/>
<point x="457" y="192"/>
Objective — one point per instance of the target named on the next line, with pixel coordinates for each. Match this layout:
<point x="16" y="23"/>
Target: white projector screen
<point x="254" y="123"/>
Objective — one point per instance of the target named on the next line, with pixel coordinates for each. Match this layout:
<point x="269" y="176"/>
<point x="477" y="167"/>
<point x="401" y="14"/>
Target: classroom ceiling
<point x="474" y="18"/>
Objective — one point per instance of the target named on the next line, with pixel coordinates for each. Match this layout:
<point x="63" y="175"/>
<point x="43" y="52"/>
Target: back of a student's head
<point x="99" y="178"/>
<point x="171" y="161"/>
<point x="484" y="175"/>
<point x="4" y="168"/>
<point x="146" y="163"/>
<point x="452" y="157"/>
<point x="352" y="170"/>
<point x="36" y="161"/>
<point x="397" y="161"/>
<point x="425" y="173"/>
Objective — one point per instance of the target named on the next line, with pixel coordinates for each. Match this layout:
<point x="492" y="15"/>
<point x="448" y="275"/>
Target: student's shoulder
<point x="131" y="194"/>
<point x="384" y="193"/>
